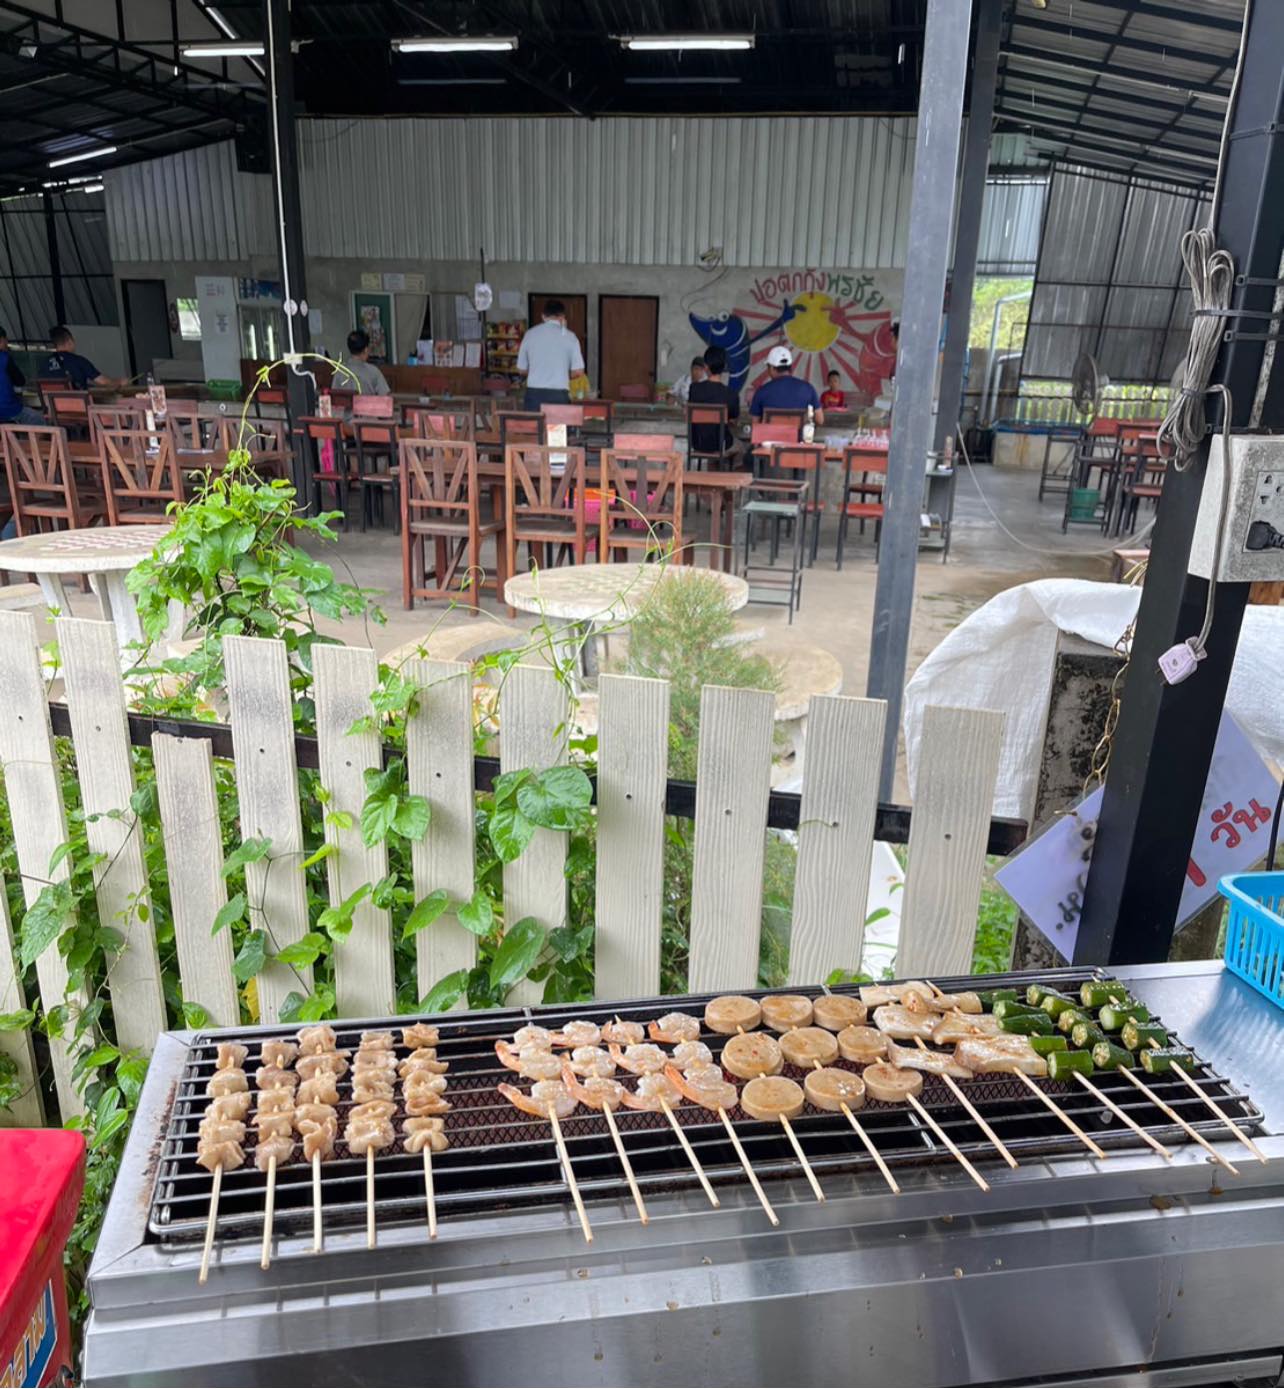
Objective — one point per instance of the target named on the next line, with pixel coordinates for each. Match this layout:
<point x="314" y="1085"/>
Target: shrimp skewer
<point x="605" y="1094"/>
<point x="657" y="1091"/>
<point x="709" y="1097"/>
<point x="551" y="1100"/>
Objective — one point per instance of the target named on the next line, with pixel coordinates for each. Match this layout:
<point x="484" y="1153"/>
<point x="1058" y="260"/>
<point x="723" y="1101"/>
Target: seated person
<point x="832" y="397"/>
<point x="712" y="390"/>
<point x="64" y="363"/>
<point x="784" y="391"/>
<point x="681" y="389"/>
<point x="357" y="361"/>
<point x="12" y="410"/>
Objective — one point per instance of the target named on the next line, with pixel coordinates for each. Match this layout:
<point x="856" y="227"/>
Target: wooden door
<point x="576" y="314"/>
<point x="626" y="336"/>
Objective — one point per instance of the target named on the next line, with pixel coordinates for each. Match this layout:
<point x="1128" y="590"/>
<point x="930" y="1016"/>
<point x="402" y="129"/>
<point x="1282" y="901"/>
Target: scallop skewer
<point x="222" y="1132"/>
<point x="423" y="1087"/>
<point x="208" y="1248"/>
<point x="274" y="1123"/>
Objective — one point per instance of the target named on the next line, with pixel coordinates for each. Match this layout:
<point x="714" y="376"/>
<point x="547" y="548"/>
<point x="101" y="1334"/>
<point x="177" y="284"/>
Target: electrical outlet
<point x="1253" y="523"/>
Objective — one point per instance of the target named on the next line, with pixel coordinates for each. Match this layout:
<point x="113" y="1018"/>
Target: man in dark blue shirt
<point x="784" y="391"/>
<point x="64" y="363"/>
<point x="12" y="410"/>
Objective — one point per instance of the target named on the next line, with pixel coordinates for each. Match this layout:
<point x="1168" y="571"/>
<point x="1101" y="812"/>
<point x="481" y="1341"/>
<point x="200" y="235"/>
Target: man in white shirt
<point x="681" y="390"/>
<point x="548" y="357"/>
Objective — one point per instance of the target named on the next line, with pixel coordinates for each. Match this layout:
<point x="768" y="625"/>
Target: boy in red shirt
<point x="832" y="398"/>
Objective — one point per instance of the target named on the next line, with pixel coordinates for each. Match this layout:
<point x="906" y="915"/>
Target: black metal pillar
<point x="55" y="261"/>
<point x="936" y="152"/>
<point x="1164" y="741"/>
<point x="967" y="233"/>
<point x="288" y="211"/>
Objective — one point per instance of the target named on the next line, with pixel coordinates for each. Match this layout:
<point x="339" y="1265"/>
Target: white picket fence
<point x="947" y="843"/>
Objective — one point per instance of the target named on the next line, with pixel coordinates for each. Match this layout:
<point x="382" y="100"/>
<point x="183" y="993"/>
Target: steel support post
<point x="1164" y="742"/>
<point x="936" y="152"/>
<point x="289" y="217"/>
<point x="55" y="260"/>
<point x="967" y="227"/>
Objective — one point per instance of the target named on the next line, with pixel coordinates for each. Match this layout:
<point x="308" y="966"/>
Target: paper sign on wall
<point x="220" y="339"/>
<point x="394" y="281"/>
<point x="371" y="280"/>
<point x="1047" y="877"/>
<point x="415" y="284"/>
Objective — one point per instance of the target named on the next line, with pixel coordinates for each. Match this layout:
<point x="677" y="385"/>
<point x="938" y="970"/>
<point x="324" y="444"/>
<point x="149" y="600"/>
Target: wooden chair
<point x="635" y="393"/>
<point x="373" y="406"/>
<point x="317" y="431"/>
<point x="709" y="418"/>
<point x="496" y="385"/>
<point x="266" y="441"/>
<point x="69" y="410"/>
<point x="341" y="397"/>
<point x="1144" y="483"/>
<point x="865" y="460"/>
<point x="376" y="445"/>
<point x="440" y="501"/>
<point x="544" y="503"/>
<point x="189" y="431"/>
<point x="43" y="488"/>
<point x="644" y="443"/>
<point x="570" y="415"/>
<point x="441" y="422"/>
<point x="47" y="386"/>
<point x="521" y="427"/>
<point x="598" y="416"/>
<point x="780" y="415"/>
<point x="275" y="396"/>
<point x="641" y="497"/>
<point x="141" y="476"/>
<point x="117" y="416"/>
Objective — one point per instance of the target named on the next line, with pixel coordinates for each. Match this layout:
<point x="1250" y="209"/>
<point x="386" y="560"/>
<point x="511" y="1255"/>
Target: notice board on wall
<point x="220" y="329"/>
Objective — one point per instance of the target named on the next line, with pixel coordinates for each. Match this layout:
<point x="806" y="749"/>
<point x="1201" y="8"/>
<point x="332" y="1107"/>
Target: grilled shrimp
<point x="532" y="1062"/>
<point x="545" y="1096"/>
<point x="643" y="1059"/>
<point x="422" y="1059"/>
<point x="705" y="1085"/>
<point x="578" y="1033"/>
<point x="596" y="1092"/>
<point x="655" y="1091"/>
<point x="532" y="1036"/>
<point x="626" y="1033"/>
<point x="689" y="1056"/>
<point x="591" y="1061"/>
<point x="675" y="1027"/>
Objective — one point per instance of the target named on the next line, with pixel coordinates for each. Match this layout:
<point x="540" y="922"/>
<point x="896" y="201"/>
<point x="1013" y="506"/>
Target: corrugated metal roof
<point x="1011" y="219"/>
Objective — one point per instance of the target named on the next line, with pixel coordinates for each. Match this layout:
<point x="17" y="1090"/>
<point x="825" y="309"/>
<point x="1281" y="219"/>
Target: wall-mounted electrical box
<point x="1253" y="521"/>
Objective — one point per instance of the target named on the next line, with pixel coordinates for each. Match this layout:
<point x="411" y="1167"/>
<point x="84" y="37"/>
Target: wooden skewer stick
<point x="948" y="1141"/>
<point x="570" y="1176"/>
<point x="209" y="1227"/>
<point x="744" y="1162"/>
<point x="609" y="1115"/>
<point x="691" y="1157"/>
<point x="1060" y="1113"/>
<point x="802" y="1157"/>
<point x="269" y="1208"/>
<point x="974" y="1113"/>
<point x="430" y="1198"/>
<point x="1219" y="1111"/>
<point x="316" y="1202"/>
<point x="370" y="1219"/>
<point x="867" y="1141"/>
<point x="1121" y="1114"/>
<point x="1179" y="1121"/>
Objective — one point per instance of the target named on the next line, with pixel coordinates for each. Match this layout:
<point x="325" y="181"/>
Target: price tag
<point x="1046" y="877"/>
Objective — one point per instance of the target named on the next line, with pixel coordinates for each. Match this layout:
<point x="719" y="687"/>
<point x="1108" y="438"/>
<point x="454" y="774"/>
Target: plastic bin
<point x="42" y="1172"/>
<point x="1255" y="931"/>
<point x="1083" y="503"/>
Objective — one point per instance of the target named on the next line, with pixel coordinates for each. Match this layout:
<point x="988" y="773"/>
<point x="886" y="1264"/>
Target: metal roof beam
<point x="1124" y="172"/>
<point x="1040" y="103"/>
<point x="1208" y="156"/>
<point x="1153" y="10"/>
<point x="1113" y="38"/>
<point x="1151" y="160"/>
<point x="1113" y="73"/>
<point x="1149" y="103"/>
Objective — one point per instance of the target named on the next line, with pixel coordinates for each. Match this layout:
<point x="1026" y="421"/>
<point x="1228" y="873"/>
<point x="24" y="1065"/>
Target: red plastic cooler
<point x="42" y="1172"/>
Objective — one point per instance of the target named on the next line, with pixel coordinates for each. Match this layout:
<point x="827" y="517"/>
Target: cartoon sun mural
<point x="829" y="335"/>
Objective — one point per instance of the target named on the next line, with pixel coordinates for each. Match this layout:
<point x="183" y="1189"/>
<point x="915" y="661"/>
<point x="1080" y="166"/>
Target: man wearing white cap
<point x="784" y="391"/>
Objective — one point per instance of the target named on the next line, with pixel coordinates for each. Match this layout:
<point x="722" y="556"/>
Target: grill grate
<point x="500" y="1160"/>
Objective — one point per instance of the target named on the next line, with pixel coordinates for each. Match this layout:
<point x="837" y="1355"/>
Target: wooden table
<point x="104" y="553"/>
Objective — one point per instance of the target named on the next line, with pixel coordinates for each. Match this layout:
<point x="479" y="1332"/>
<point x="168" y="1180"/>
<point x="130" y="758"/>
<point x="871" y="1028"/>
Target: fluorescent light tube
<point x="90" y="188"/>
<point x="224" y="48"/>
<point x="84" y="154"/>
<point x="464" y="43"/>
<point x="643" y="43"/>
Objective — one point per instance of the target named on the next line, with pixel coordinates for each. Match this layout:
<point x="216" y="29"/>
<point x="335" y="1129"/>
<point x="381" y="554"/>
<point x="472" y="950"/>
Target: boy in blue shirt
<point x="12" y="410"/>
<point x="784" y="391"/>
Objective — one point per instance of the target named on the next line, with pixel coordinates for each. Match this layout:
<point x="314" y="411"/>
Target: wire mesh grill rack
<point x="500" y="1160"/>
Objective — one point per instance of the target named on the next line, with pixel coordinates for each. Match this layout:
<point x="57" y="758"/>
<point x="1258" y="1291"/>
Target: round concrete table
<point x="805" y="671"/>
<point x="591" y="595"/>
<point x="105" y="553"/>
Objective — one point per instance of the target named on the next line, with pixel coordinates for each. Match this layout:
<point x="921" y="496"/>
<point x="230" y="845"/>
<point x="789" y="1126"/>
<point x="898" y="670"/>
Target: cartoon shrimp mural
<point x="729" y="332"/>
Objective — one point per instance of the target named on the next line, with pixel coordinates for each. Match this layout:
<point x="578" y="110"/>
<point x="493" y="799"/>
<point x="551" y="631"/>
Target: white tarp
<point x="1000" y="657"/>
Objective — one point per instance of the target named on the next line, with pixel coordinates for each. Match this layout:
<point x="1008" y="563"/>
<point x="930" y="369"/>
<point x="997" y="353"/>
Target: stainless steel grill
<point x="499" y="1160"/>
<point x="1070" y="1268"/>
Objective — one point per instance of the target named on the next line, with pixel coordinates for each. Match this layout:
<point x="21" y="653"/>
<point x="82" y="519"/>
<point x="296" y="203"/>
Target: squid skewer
<point x="1051" y="1104"/>
<point x="208" y="1248"/>
<point x="974" y="1113"/>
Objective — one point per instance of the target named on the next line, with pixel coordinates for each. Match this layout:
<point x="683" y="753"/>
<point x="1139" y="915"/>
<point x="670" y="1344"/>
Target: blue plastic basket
<point x="1255" y="931"/>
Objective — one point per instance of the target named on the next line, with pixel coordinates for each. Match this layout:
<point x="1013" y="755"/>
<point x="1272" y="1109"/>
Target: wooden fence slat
<point x="363" y="969"/>
<point x="27" y="1111"/>
<point x="258" y="691"/>
<point x="105" y="770"/>
<point x="632" y="771"/>
<point x="835" y="835"/>
<point x="958" y="764"/>
<point x="34" y="789"/>
<point x="733" y="780"/>
<point x="533" y="712"/>
<point x="439" y="758"/>
<point x="197" y="889"/>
